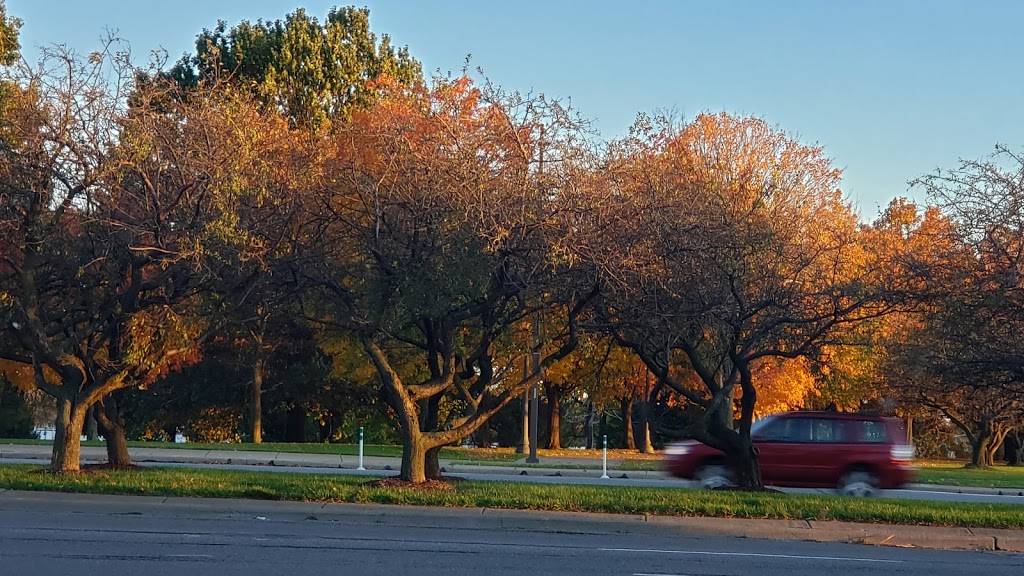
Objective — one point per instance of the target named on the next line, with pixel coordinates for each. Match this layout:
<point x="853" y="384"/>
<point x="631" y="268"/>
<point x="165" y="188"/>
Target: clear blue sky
<point x="892" y="89"/>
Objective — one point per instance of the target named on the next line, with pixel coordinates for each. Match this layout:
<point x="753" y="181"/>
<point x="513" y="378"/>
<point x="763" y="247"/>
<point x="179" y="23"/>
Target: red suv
<point x="856" y="453"/>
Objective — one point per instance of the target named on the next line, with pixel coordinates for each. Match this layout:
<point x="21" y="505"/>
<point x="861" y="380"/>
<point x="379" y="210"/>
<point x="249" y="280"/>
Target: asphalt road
<point x="58" y="534"/>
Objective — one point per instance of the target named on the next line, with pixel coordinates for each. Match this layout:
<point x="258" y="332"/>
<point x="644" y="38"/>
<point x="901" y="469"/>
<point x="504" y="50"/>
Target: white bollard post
<point x="604" y="459"/>
<point x="360" y="449"/>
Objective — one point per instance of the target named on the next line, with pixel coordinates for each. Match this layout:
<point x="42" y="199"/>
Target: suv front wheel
<point x="858" y="483"/>
<point x="715" y="476"/>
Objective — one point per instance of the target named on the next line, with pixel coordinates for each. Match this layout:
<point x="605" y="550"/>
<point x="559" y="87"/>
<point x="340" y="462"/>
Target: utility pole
<point x="534" y="407"/>
<point x="535" y="356"/>
<point x="524" y="431"/>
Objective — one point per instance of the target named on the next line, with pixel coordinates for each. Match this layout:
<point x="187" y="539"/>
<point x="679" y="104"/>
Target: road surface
<point x="57" y="534"/>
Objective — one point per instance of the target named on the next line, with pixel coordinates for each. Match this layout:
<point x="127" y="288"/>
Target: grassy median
<point x="386" y="450"/>
<point x="620" y="500"/>
<point x="953" y="473"/>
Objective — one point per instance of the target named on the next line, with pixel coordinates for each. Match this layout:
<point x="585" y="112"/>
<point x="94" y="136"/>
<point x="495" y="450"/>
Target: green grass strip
<point x="954" y="474"/>
<point x="386" y="450"/>
<point x="609" y="499"/>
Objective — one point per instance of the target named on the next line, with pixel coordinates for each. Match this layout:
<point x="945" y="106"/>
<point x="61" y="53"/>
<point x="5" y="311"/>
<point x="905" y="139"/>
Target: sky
<point x="892" y="89"/>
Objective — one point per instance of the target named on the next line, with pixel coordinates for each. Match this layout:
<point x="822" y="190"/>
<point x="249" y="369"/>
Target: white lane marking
<point x="648" y="574"/>
<point x="189" y="556"/>
<point x="751" y="554"/>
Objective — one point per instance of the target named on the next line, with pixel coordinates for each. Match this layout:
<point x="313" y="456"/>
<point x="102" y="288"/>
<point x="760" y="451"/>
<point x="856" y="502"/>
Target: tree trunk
<point x="980" y="446"/>
<point x="626" y="405"/>
<point x="588" y="425"/>
<point x="67" y="440"/>
<point x="111" y="425"/>
<point x="414" y="456"/>
<point x="256" y="403"/>
<point x="748" y="472"/>
<point x="997" y="442"/>
<point x="1014" y="454"/>
<point x="646" y="446"/>
<point x="554" y="398"/>
<point x="91" y="430"/>
<point x="432" y="463"/>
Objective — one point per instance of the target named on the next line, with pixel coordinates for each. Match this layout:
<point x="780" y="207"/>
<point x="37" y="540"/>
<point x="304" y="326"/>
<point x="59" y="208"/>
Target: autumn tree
<point x="440" y="241"/>
<point x="959" y="352"/>
<point x="316" y="73"/>
<point x="985" y="201"/>
<point x="116" y="216"/>
<point x="732" y="246"/>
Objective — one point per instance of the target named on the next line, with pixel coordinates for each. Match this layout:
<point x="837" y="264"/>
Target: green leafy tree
<point x="15" y="414"/>
<point x="313" y="71"/>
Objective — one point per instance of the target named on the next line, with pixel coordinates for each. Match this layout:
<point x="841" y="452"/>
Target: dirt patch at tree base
<point x="428" y="486"/>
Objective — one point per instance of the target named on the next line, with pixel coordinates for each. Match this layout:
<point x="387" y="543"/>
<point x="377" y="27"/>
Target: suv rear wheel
<point x="858" y="483"/>
<point x="715" y="476"/>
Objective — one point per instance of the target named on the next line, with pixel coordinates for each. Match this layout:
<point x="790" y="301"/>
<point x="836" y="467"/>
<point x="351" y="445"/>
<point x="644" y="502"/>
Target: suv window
<point x="787" y="430"/>
<point x="872" y="431"/>
<point x="803" y="430"/>
<point x="823" y="430"/>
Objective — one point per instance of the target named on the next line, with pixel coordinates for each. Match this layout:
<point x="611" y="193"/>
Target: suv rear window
<point x="872" y="431"/>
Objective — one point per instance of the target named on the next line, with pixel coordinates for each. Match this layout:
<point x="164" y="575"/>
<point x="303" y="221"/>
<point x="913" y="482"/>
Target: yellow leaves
<point x="782" y="384"/>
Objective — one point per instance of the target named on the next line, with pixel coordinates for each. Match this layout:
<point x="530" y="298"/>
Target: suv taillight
<point x="902" y="452"/>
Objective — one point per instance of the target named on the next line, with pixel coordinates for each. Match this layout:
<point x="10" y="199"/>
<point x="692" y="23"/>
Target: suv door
<point x="829" y="451"/>
<point x="781" y="444"/>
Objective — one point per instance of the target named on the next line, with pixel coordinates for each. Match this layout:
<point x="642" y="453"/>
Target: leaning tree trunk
<point x="67" y="440"/>
<point x="111" y="425"/>
<point x="746" y="468"/>
<point x="626" y="405"/>
<point x="998" y="437"/>
<point x="256" y="403"/>
<point x="554" y="397"/>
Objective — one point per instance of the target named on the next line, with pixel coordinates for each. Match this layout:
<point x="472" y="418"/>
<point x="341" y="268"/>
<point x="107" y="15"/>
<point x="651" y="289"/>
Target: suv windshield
<point x="758" y="426"/>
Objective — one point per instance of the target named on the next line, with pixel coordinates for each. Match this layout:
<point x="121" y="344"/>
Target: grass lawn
<point x="953" y="473"/>
<point x="662" y="501"/>
<point x="482" y="454"/>
<point x="496" y="455"/>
